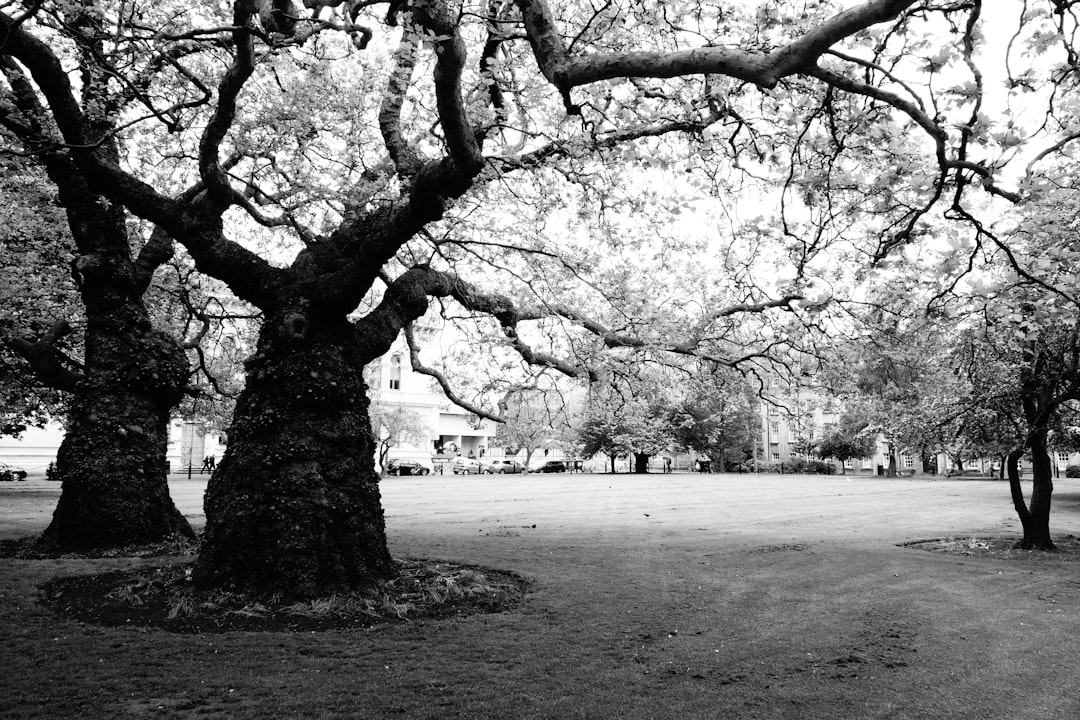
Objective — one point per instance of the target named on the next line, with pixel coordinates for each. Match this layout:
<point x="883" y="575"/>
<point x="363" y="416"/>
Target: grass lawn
<point x="663" y="596"/>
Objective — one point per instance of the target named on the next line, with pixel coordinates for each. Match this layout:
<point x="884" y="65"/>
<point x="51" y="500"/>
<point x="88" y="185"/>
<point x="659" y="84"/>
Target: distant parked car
<point x="405" y="467"/>
<point x="551" y="466"/>
<point x="500" y="467"/>
<point x="10" y="473"/>
<point x="465" y="466"/>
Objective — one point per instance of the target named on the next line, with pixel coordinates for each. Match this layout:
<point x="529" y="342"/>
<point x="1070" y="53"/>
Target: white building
<point x="788" y="430"/>
<point x="189" y="443"/>
<point x="448" y="430"/>
<point x="34" y="450"/>
<point x="392" y="382"/>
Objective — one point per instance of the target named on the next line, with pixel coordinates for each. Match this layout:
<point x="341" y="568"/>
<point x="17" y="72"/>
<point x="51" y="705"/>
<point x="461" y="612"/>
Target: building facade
<point x="440" y="430"/>
<point x="791" y="426"/>
<point x="190" y="443"/>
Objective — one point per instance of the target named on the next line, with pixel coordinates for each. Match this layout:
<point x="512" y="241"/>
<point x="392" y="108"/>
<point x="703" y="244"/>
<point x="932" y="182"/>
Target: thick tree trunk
<point x="294" y="505"/>
<point x="111" y="463"/>
<point x="1034" y="519"/>
<point x="641" y="463"/>
<point x="112" y="460"/>
<point x="1037" y="533"/>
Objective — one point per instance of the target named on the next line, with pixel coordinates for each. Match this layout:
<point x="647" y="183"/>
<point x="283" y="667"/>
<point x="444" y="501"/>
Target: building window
<point x="774" y="428"/>
<point x="794" y="454"/>
<point x="395" y="372"/>
<point x="908" y="460"/>
<point x="776" y="457"/>
<point x="1063" y="458"/>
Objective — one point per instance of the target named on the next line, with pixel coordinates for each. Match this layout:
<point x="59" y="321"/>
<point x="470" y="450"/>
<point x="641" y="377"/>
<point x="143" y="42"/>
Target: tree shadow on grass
<point x="162" y="596"/>
<point x="1066" y="501"/>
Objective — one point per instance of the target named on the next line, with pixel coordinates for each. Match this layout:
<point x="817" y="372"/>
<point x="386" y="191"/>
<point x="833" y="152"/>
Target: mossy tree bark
<point x="112" y="459"/>
<point x="294" y="505"/>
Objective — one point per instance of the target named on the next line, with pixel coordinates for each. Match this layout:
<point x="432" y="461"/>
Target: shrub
<point x="800" y="466"/>
<point x="1073" y="471"/>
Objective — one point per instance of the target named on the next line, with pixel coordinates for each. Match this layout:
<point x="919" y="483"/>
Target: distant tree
<point x="599" y="435"/>
<point x="1029" y="380"/>
<point x="718" y="417"/>
<point x="532" y="418"/>
<point x="634" y="428"/>
<point x="885" y="373"/>
<point x="888" y="383"/>
<point x="393" y="425"/>
<point x="850" y="439"/>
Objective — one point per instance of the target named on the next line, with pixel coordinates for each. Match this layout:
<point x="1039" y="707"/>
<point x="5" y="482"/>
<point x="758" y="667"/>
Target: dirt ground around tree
<point x="659" y="596"/>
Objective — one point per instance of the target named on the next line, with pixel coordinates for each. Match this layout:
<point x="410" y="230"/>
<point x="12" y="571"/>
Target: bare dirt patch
<point x="162" y="596"/>
<point x="1000" y="548"/>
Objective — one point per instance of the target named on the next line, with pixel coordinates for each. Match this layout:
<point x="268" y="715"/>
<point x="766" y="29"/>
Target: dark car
<point x="500" y="467"/>
<point x="552" y="466"/>
<point x="10" y="473"/>
<point x="405" y="467"/>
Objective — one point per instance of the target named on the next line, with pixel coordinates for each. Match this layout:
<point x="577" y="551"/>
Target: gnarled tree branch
<point x="567" y="71"/>
<point x="50" y="365"/>
<point x="441" y="379"/>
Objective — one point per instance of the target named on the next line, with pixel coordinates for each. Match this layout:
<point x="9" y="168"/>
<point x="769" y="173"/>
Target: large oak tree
<point x="131" y="375"/>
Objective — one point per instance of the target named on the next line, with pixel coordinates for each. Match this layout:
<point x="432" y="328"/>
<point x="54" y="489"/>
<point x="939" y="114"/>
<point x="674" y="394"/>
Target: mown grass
<point x="645" y="618"/>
